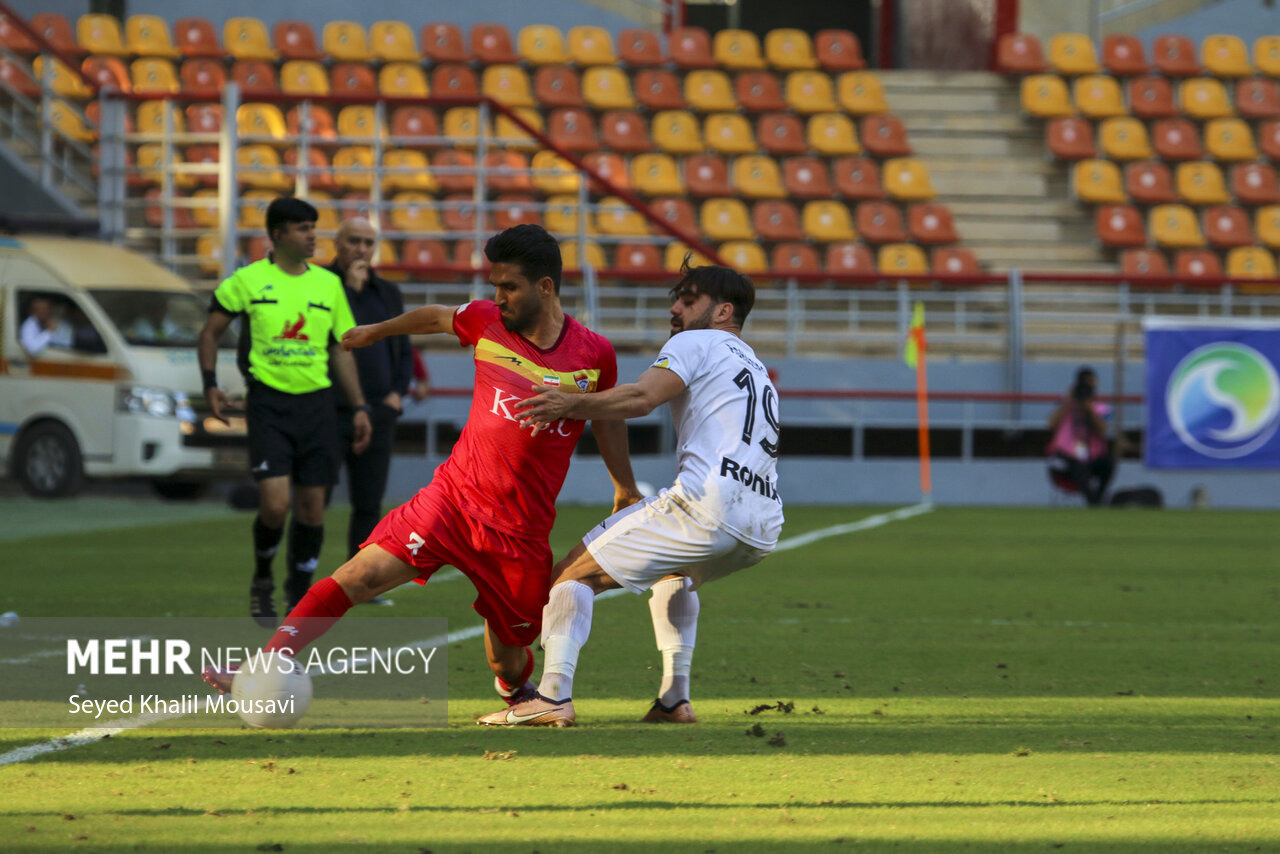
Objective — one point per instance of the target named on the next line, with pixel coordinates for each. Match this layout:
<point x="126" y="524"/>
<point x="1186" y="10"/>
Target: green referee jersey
<point x="292" y="320"/>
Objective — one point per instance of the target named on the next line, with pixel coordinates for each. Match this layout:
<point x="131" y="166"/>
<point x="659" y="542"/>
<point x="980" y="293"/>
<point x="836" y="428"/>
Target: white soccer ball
<point x="271" y="692"/>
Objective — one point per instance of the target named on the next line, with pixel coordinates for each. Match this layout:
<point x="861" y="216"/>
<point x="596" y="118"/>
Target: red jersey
<point x="500" y="473"/>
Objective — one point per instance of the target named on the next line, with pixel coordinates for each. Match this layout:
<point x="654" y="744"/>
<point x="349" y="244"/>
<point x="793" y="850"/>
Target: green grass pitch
<point x="965" y="680"/>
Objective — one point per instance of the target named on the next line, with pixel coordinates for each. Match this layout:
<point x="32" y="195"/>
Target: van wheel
<point x="179" y="490"/>
<point x="47" y="461"/>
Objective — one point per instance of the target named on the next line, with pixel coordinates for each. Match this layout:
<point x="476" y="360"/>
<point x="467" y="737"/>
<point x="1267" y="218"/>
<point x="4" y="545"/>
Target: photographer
<point x="1079" y="454"/>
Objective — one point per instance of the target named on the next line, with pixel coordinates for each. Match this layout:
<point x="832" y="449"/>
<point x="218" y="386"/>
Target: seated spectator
<point x="1079" y="454"/>
<point x="153" y="326"/>
<point x="43" y="329"/>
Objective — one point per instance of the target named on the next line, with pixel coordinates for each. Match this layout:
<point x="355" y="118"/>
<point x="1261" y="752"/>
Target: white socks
<point x="674" y="608"/>
<point x="566" y="625"/>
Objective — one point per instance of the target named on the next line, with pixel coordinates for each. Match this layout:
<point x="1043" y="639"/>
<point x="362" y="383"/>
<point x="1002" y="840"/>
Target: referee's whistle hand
<point x="218" y="401"/>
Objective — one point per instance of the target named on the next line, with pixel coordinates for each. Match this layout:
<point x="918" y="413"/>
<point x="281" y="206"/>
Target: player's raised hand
<point x="359" y="336"/>
<point x="544" y="406"/>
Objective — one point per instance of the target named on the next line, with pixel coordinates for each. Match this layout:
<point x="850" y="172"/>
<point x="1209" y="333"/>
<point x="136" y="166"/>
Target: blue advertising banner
<point x="1213" y="393"/>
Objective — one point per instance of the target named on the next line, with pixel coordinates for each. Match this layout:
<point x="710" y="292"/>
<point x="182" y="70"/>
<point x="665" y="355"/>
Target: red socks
<point x="507" y="688"/>
<point x="324" y="603"/>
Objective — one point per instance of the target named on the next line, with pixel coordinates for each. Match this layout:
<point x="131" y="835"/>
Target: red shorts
<point x="512" y="575"/>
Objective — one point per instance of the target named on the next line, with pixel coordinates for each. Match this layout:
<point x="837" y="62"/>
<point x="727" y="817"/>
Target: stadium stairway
<point x="62" y="191"/>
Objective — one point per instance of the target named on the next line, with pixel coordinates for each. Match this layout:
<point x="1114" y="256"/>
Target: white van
<point x="107" y="384"/>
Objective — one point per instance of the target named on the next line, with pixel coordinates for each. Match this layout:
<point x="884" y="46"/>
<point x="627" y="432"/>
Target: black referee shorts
<point x="292" y="434"/>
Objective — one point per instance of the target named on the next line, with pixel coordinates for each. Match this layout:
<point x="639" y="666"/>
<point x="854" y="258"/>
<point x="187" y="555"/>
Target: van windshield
<point x="159" y="318"/>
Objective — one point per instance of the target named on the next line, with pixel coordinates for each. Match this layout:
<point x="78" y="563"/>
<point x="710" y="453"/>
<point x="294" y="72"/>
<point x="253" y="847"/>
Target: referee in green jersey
<point x="294" y="314"/>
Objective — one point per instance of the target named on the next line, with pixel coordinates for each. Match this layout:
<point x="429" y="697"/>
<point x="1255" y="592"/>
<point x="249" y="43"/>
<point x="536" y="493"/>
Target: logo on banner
<point x="1223" y="400"/>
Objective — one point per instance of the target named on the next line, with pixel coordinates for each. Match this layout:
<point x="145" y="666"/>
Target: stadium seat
<point x="827" y="222"/>
<point x="57" y="31"/>
<point x="776" y="220"/>
<point x="558" y="86"/>
<point x="1225" y="56"/>
<point x="838" y="50"/>
<point x="659" y="89"/>
<point x="507" y="172"/>
<point x="833" y="135"/>
<point x="303" y="77"/>
<point x="1175" y="226"/>
<point x="573" y="128"/>
<point x="204" y="154"/>
<point x="148" y="35"/>
<point x="16" y="40"/>
<point x="563" y="215"/>
<point x="541" y="44"/>
<point x="1266" y="221"/>
<point x="319" y="175"/>
<point x="795" y="258"/>
<point x="737" y="50"/>
<point x="507" y="84"/>
<point x="635" y="257"/>
<point x="1045" y="96"/>
<point x="1151" y="97"/>
<point x="1123" y="55"/>
<point x="675" y="254"/>
<point x="607" y="88"/>
<point x="514" y="136"/>
<point x="729" y="133"/>
<point x="1269" y="139"/>
<point x="552" y="174"/>
<point x="353" y="166"/>
<point x="592" y="255"/>
<point x="358" y="122"/>
<point x="849" y="257"/>
<point x="1258" y="98"/>
<point x="1119" y="226"/>
<point x="154" y="75"/>
<point x="1227" y="226"/>
<point x="1197" y="263"/>
<point x="677" y="132"/>
<point x="1020" y="53"/>
<point x="466" y="255"/>
<point x="403" y="80"/>
<point x="902" y="258"/>
<point x="1250" y="262"/>
<point x="454" y="79"/>
<point x="1266" y="55"/>
<point x="626" y="132"/>
<point x="707" y="176"/>
<point x="204" y="118"/>
<point x="196" y="37"/>
<point x="1067" y="138"/>
<point x="954" y="261"/>
<point x="351" y="79"/>
<point x="591" y="46"/>
<point x="759" y="92"/>
<point x="319" y="123"/>
<point x="443" y="42"/>
<point x="355" y="203"/>
<point x="203" y="75"/>
<point x="70" y="122"/>
<point x="205" y="214"/>
<point x="885" y="136"/>
<point x="880" y="222"/>
<point x="656" y="175"/>
<point x="757" y="177"/>
<point x="677" y="213"/>
<point x="392" y="41"/>
<point x="639" y="48"/>
<point x="209" y="251"/>
<point x="806" y="178"/>
<point x="857" y="178"/>
<point x="260" y="122"/>
<point x="781" y="134"/>
<point x="611" y="167"/>
<point x="491" y="45"/>
<point x="1098" y="96"/>
<point x="1097" y="182"/>
<point x="861" y="93"/>
<point x="789" y="50"/>
<point x="410" y="125"/>
<point x="907" y="178"/>
<point x="1148" y="182"/>
<point x="150" y="117"/>
<point x="1255" y="184"/>
<point x="1176" y="139"/>
<point x="1143" y="262"/>
<point x="257" y="166"/>
<point x="930" y="223"/>
<point x="1204" y="98"/>
<point x="458" y="214"/>
<point x="406" y="169"/>
<point x="1174" y="56"/>
<point x="423" y="252"/>
<point x="618" y="219"/>
<point x="414" y="213"/>
<point x="295" y="40"/>
<point x="1229" y="140"/>
<point x="254" y="77"/>
<point x="809" y="92"/>
<point x="63" y="81"/>
<point x="1072" y="54"/>
<point x="709" y="91"/>
<point x="455" y="171"/>
<point x="100" y="35"/>
<point x="346" y="41"/>
<point x="1200" y="183"/>
<point x="725" y="219"/>
<point x="108" y="72"/>
<point x="744" y="256"/>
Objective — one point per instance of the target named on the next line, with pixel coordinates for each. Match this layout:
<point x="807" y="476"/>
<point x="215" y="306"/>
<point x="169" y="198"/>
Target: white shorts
<point x="657" y="537"/>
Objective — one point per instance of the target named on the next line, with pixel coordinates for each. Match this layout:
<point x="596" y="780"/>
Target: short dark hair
<point x="530" y="246"/>
<point x="287" y="209"/>
<point x="722" y="284"/>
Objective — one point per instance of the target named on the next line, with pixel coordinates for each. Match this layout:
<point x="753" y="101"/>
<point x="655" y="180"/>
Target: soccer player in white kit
<point x="722" y="514"/>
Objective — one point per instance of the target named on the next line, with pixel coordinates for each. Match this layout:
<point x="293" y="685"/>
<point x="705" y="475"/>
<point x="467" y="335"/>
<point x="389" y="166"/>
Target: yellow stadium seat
<point x="1229" y="140"/>
<point x="615" y="217"/>
<point x="327" y="212"/>
<point x="905" y="259"/>
<point x="209" y="250"/>
<point x="100" y="35"/>
<point x="416" y="174"/>
<point x="403" y="79"/>
<point x="833" y="134"/>
<point x="345" y="41"/>
<point x="353" y="167"/>
<point x="757" y="177"/>
<point x="64" y="82"/>
<point x="259" y="166"/>
<point x="1098" y="96"/>
<point x="541" y="44"/>
<point x="71" y="123"/>
<point x="206" y="215"/>
<point x="709" y="91"/>
<point x="326" y="251"/>
<point x="150" y="117"/>
<point x="1072" y="54"/>
<point x="148" y="35"/>
<point x="810" y="92"/>
<point x="1204" y="98"/>
<point x="827" y="222"/>
<point x="514" y="135"/>
<point x="1175" y="227"/>
<point x="789" y="50"/>
<point x="246" y="38"/>
<point x="1266" y="55"/>
<point x="559" y="175"/>
<point x="591" y="46"/>
<point x="726" y="219"/>
<point x="392" y="41"/>
<point x="260" y="120"/>
<point x="674" y="256"/>
<point x="729" y="133"/>
<point x="359" y="122"/>
<point x="656" y="175"/>
<point x="862" y="93"/>
<point x="1097" y="182"/>
<point x="1124" y="138"/>
<point x="1225" y="56"/>
<point x="1250" y="262"/>
<point x="564" y="216"/>
<point x="592" y="256"/>
<point x="744" y="256"/>
<point x="303" y="77"/>
<point x="737" y="50"/>
<point x="154" y="75"/>
<point x="462" y="126"/>
<point x="1266" y="224"/>
<point x="414" y="212"/>
<point x="1201" y="183"/>
<point x="507" y="84"/>
<point x="1045" y="96"/>
<point x="252" y="208"/>
<point x="907" y="178"/>
<point x="676" y="132"/>
<point x="607" y="88"/>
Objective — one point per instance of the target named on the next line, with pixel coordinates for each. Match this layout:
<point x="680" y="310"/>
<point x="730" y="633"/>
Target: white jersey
<point x="727" y="428"/>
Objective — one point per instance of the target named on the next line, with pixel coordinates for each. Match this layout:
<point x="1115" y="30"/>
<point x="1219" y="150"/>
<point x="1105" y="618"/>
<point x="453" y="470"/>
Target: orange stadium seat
<point x="1123" y="55"/>
<point x="690" y="47"/>
<point x="1072" y="54"/>
<point x="151" y="117"/>
<point x="656" y="175"/>
<point x="507" y="172"/>
<point x="659" y="89"/>
<point x="411" y="124"/>
<point x="902" y="258"/>
<point x="68" y="121"/>
<point x="789" y="50"/>
<point x="254" y="76"/>
<point x="64" y="82"/>
<point x="677" y="132"/>
<point x="296" y="40"/>
<point x="607" y="88"/>
<point x="423" y="252"/>
<point x="1200" y="183"/>
<point x="573" y="128"/>
<point x="775" y="220"/>
<point x="931" y="223"/>
<point x="806" y="178"/>
<point x="781" y="134"/>
<point x="491" y="44"/>
<point x="403" y="80"/>
<point x="795" y="258"/>
<point x="1267" y="222"/>
<point x="810" y="92"/>
<point x="678" y="213"/>
<point x="443" y="42"/>
<point x="100" y="35"/>
<point x="626" y="132"/>
<point x="303" y="77"/>
<point x="591" y="46"/>
<point x="16" y="40"/>
<point x="108" y="72"/>
<point x="203" y="75"/>
<point x="709" y="91"/>
<point x="827" y="222"/>
<point x="1176" y="139"/>
<point x="347" y="79"/>
<point x="1269" y="139"/>
<point x="407" y="169"/>
<point x="1097" y="182"/>
<point x="1250" y="262"/>
<point x="759" y="92"/>
<point x="639" y="48"/>
<point x="757" y="177"/>
<point x="838" y="50"/>
<point x="1068" y="138"/>
<point x="453" y="79"/>
<point x="258" y="166"/>
<point x="507" y="84"/>
<point x="726" y="219"/>
<point x="204" y="118"/>
<point x="907" y="178"/>
<point x="465" y="254"/>
<point x="57" y="31"/>
<point x="392" y="41"/>
<point x="1045" y="96"/>
<point x="849" y="257"/>
<point x="611" y="167"/>
<point x="346" y="41"/>
<point x="557" y="174"/>
<point x="148" y="35"/>
<point x="514" y="135"/>
<point x="1119" y="226"/>
<point x="1255" y="184"/>
<point x="1020" y="53"/>
<point x="833" y="135"/>
<point x="319" y="173"/>
<point x="359" y="122"/>
<point x="858" y="178"/>
<point x="1204" y="98"/>
<point x="154" y="75"/>
<point x="414" y="213"/>
<point x="1258" y="98"/>
<point x="1229" y="140"/>
<point x="707" y="176"/>
<point x="204" y="154"/>
<point x="615" y="217"/>
<point x="744" y="256"/>
<point x="737" y="50"/>
<point x="1098" y="96"/>
<point x="729" y="133"/>
<point x="885" y="136"/>
<point x="1197" y="263"/>
<point x="455" y="171"/>
<point x="1174" y="56"/>
<point x="558" y="86"/>
<point x="1225" y="56"/>
<point x="1266" y="55"/>
<point x="954" y="261"/>
<point x="1175" y="226"/>
<point x="1149" y="182"/>
<point x="861" y="92"/>
<point x="458" y="214"/>
<point x="1151" y="97"/>
<point x="355" y="203"/>
<point x="1226" y="226"/>
<point x="1143" y="262"/>
<point x="633" y="257"/>
<point x="541" y="44"/>
<point x="319" y="122"/>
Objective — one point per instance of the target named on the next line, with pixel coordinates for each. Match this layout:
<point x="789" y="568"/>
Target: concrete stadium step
<point x="949" y="144"/>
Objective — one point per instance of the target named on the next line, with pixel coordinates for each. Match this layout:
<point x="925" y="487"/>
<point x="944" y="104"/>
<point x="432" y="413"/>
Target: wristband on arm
<point x="210" y="379"/>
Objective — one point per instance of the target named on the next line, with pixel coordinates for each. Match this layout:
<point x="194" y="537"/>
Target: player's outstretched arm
<point x="654" y="387"/>
<point x="428" y="320"/>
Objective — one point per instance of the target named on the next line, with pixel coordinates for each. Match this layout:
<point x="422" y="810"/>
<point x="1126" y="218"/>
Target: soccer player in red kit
<point x="490" y="507"/>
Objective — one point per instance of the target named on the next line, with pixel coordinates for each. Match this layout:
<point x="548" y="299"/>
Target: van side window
<point x="51" y="322"/>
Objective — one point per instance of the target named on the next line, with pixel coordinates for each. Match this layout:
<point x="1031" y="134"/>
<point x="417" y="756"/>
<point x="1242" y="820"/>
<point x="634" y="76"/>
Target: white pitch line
<point x="90" y="735"/>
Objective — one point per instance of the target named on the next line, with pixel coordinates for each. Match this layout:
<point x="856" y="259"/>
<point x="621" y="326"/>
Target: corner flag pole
<point x="914" y="355"/>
